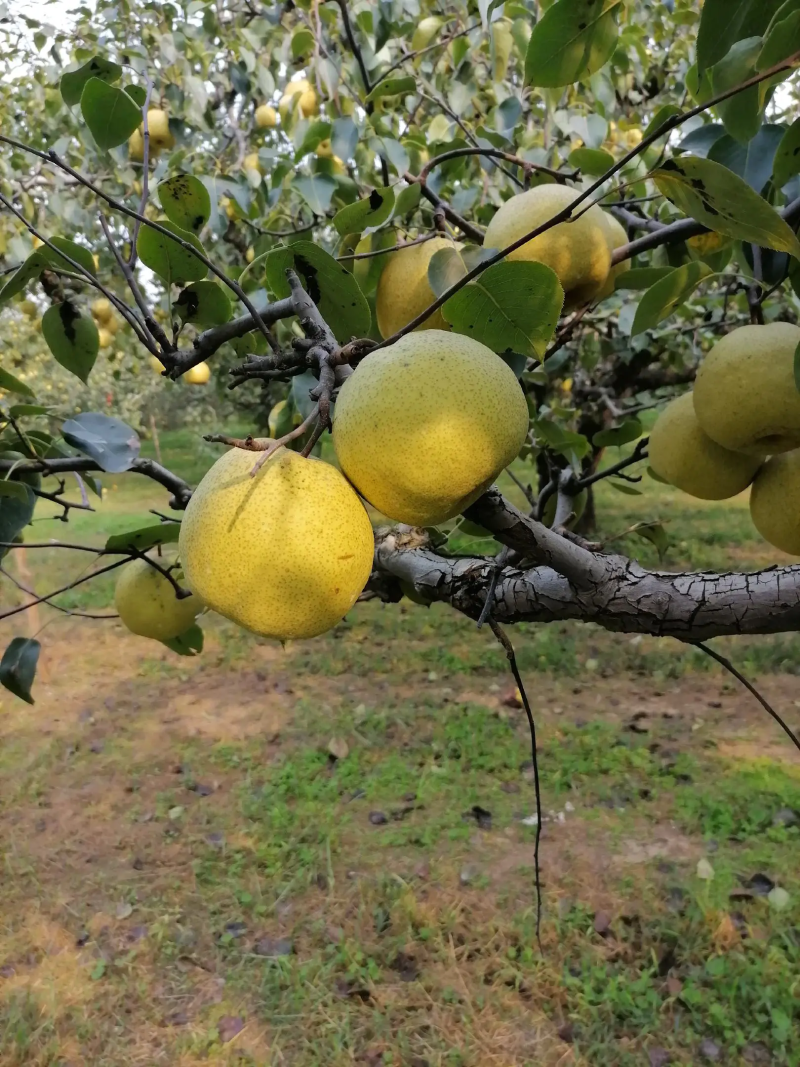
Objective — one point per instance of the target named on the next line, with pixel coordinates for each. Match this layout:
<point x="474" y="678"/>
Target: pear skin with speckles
<point x="423" y="427"/>
<point x="148" y="605"/>
<point x="284" y="553"/>
<point x="404" y="290"/>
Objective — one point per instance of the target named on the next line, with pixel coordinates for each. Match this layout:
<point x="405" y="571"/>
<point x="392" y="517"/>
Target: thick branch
<point x="181" y="491"/>
<point x="208" y="342"/>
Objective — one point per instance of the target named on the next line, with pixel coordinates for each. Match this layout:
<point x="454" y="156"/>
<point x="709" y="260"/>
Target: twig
<point x="128" y="273"/>
<point x="64" y="589"/>
<point x="267" y="446"/>
<point x="639" y="453"/>
<point x="453" y="216"/>
<point x="508" y="648"/>
<point x="500" y="561"/>
<point x="66" y="611"/>
<point x="726" y="663"/>
<point x="348" y="31"/>
<point x="386" y="251"/>
<point x="421" y="51"/>
<point x="129" y="266"/>
<point x="495" y="153"/>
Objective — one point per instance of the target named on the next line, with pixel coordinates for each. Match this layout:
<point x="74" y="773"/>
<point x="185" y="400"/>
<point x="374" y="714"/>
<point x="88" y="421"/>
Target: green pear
<point x="775" y="502"/>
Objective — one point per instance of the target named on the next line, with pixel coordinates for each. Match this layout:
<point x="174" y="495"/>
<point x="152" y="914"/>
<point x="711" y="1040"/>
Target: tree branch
<point x="181" y="490"/>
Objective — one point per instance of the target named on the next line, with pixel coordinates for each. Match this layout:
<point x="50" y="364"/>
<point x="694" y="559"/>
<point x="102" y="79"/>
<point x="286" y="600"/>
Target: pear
<point x="775" y="502"/>
<point x="577" y="251"/>
<point x="284" y="553"/>
<point x="617" y="236"/>
<point x="423" y="427"/>
<point x="404" y="291"/>
<point x="266" y="117"/>
<point x="198" y="375"/>
<point x="745" y="396"/>
<point x="149" y="606"/>
<point x="686" y="457"/>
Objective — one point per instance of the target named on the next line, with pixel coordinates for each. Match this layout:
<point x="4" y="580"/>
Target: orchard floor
<point x="323" y="855"/>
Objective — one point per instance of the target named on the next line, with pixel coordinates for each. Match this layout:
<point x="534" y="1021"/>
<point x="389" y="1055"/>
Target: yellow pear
<point x="617" y="236"/>
<point x="266" y="117"/>
<point x="324" y="149"/>
<point x="157" y="365"/>
<point x="307" y="102"/>
<point x="250" y="254"/>
<point x="102" y="309"/>
<point x="148" y="605"/>
<point x="423" y="427"/>
<point x="338" y="165"/>
<point x="158" y="128"/>
<point x="251" y="162"/>
<point x="577" y="251"/>
<point x="29" y="309"/>
<point x="136" y="147"/>
<point x="404" y="291"/>
<point x="285" y="553"/>
<point x="198" y="375"/>
<point x="745" y="395"/>
<point x="228" y="207"/>
<point x="425" y="32"/>
<point x="775" y="502"/>
<point x="687" y="458"/>
<point x="104" y="337"/>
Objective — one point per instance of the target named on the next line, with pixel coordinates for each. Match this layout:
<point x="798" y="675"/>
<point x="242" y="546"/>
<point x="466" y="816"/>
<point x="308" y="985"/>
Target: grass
<point x="190" y="877"/>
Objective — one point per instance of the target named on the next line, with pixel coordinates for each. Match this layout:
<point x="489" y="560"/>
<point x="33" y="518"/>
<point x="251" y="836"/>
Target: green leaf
<point x="669" y="292"/>
<point x="617" y="436"/>
<point x="445" y="268"/>
<point x="302" y="42"/>
<point x="752" y="161"/>
<point x="640" y="277"/>
<point x="163" y="533"/>
<point x="24" y="274"/>
<point x="19" y="411"/>
<point x="329" y="284"/>
<point x="407" y="200"/>
<point x="510" y="307"/>
<point x="782" y="42"/>
<point x="574" y="39"/>
<point x="18" y="667"/>
<point x="15" y="491"/>
<point x="12" y="384"/>
<point x="111" y="443"/>
<point x="189" y="643"/>
<point x="317" y="190"/>
<point x="137" y="93"/>
<point x="393" y="87"/>
<point x="740" y="114"/>
<point x="593" y="161"/>
<point x="204" y="304"/>
<point x="663" y="115"/>
<point x="372" y="211"/>
<point x="71" y="337"/>
<point x="185" y="201"/>
<point x="626" y="490"/>
<point x="715" y="196"/>
<point x="109" y="113"/>
<point x="724" y="22"/>
<point x="655" y="533"/>
<point x="787" y="156"/>
<point x="318" y="131"/>
<point x="169" y="260"/>
<point x="74" y="251"/>
<point x="73" y="82"/>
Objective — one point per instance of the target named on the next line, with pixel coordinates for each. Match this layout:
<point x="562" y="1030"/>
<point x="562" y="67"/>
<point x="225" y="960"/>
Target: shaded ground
<point x="323" y="855"/>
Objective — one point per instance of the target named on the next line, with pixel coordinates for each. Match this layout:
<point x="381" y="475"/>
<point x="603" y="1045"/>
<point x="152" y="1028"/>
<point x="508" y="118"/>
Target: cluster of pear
<point x="420" y="430"/>
<point x="740" y="427"/>
<point x="579" y="252"/>
<point x="107" y="322"/>
<point x="160" y="136"/>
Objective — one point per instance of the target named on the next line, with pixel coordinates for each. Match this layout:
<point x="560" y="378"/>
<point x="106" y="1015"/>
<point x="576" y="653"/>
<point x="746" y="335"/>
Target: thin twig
<point x="66" y="611"/>
<point x="726" y="663"/>
<point x="65" y="588"/>
<point x="508" y="648"/>
<point x="639" y="453"/>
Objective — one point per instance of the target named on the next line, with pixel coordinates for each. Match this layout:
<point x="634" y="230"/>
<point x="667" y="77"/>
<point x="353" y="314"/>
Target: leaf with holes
<point x="18" y="667"/>
<point x="185" y="201"/>
<point x="169" y="260"/>
<point x="163" y="533"/>
<point x="24" y="274"/>
<point x="572" y="40"/>
<point x="715" y="196"/>
<point x="617" y="436"/>
<point x="73" y="82"/>
<point x="317" y="190"/>
<point x="111" y="443"/>
<point x="668" y="293"/>
<point x="72" y="338"/>
<point x="511" y="307"/>
<point x="393" y="87"/>
<point x="74" y="251"/>
<point x="109" y="113"/>
<point x="368" y="213"/>
<point x="204" y="304"/>
<point x="12" y="384"/>
<point x="329" y="284"/>
<point x="189" y="643"/>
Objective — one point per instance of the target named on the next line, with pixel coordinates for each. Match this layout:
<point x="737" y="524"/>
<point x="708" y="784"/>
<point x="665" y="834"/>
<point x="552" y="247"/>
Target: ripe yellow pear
<point x="101" y="309"/>
<point x="687" y="458"/>
<point x="29" y="309"/>
<point x="745" y="395"/>
<point x="404" y="291"/>
<point x="617" y="236"/>
<point x="307" y="100"/>
<point x="250" y="254"/>
<point x="324" y="149"/>
<point x="148" y="605"/>
<point x="423" y="427"/>
<point x="158" y="128"/>
<point x="285" y="553"/>
<point x="577" y="251"/>
<point x="775" y="502"/>
<point x="104" y="337"/>
<point x="266" y="117"/>
<point x="136" y="147"/>
<point x="198" y="375"/>
<point x="157" y="365"/>
<point x="338" y="165"/>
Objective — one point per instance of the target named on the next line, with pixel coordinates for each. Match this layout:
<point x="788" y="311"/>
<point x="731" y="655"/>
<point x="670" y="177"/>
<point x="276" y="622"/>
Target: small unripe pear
<point x="149" y="606"/>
